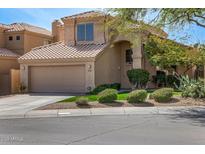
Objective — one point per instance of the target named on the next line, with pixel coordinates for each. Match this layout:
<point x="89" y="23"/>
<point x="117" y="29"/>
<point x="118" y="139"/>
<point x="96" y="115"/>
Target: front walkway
<point x="18" y="105"/>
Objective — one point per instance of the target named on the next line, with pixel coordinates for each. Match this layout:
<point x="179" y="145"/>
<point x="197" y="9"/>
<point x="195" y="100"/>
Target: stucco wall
<point x="32" y="40"/>
<point x="7" y="64"/>
<point x="111" y="66"/>
<point x="2" y="38"/>
<point x="190" y="72"/>
<point x="107" y="66"/>
<point x="124" y="66"/>
<point x="15" y="45"/>
<point x="28" y="40"/>
<point x="70" y="30"/>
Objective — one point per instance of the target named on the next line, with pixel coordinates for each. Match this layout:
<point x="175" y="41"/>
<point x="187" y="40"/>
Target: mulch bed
<point x="176" y="101"/>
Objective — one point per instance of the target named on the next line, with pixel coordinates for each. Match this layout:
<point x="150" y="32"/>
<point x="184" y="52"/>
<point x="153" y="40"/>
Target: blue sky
<point x="43" y="18"/>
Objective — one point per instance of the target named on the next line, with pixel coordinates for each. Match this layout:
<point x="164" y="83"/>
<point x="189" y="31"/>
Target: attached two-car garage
<point x="59" y="67"/>
<point x="68" y="78"/>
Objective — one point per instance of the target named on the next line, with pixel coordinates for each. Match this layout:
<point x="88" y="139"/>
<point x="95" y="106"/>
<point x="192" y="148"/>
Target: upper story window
<point x="128" y="56"/>
<point x="18" y="37"/>
<point x="85" y="32"/>
<point x="10" y="38"/>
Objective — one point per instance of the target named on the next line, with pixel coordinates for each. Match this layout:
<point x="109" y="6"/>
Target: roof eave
<point x="56" y="60"/>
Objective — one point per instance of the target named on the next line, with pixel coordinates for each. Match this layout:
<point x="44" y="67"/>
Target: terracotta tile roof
<point x="4" y="26"/>
<point x="61" y="52"/>
<point x="7" y="53"/>
<point x="85" y="15"/>
<point x="23" y="26"/>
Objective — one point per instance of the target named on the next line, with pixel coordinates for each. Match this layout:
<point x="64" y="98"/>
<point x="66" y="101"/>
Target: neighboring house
<point x="83" y="57"/>
<point x="15" y="40"/>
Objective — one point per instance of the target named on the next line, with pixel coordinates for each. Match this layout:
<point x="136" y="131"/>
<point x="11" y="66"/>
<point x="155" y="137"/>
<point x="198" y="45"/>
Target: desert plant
<point x="194" y="88"/>
<point x="21" y="88"/>
<point x="82" y="101"/>
<point x="162" y="95"/>
<point x="137" y="96"/>
<point x="138" y="77"/>
<point x="107" y="96"/>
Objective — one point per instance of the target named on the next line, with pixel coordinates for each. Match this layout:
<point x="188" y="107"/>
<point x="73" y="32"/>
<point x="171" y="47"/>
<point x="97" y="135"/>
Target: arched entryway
<point x="125" y="51"/>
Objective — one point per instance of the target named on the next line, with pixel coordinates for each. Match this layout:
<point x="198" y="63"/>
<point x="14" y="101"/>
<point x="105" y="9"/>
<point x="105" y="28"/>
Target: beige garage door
<point x="57" y="79"/>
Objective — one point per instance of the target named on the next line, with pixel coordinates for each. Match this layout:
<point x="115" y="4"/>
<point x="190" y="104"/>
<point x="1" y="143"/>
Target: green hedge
<point x="138" y="77"/>
<point x="137" y="96"/>
<point x="82" y="101"/>
<point x="107" y="96"/>
<point x="102" y="87"/>
<point x="162" y="95"/>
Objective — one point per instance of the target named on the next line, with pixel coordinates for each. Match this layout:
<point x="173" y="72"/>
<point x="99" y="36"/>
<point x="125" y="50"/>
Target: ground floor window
<point x="129" y="56"/>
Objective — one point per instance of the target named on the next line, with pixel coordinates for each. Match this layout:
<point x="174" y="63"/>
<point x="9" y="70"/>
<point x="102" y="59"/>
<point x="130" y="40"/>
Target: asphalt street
<point x="111" y="130"/>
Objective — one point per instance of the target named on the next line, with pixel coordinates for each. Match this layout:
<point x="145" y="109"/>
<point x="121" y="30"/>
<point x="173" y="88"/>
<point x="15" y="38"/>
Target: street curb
<point x="188" y="110"/>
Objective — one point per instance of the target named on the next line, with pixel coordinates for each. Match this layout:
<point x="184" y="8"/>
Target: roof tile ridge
<point x="47" y="45"/>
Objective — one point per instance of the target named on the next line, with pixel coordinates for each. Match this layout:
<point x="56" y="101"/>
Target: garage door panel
<point x="57" y="78"/>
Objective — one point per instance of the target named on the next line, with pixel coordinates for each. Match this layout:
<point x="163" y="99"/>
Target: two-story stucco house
<point x="83" y="57"/>
<point x="15" y="40"/>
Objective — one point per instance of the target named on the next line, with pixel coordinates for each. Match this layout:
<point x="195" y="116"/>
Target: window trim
<point x="85" y="35"/>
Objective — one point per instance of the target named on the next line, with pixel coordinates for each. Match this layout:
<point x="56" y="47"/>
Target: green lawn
<point x="122" y="96"/>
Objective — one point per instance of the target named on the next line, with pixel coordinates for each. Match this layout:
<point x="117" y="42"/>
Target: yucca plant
<point x="191" y="87"/>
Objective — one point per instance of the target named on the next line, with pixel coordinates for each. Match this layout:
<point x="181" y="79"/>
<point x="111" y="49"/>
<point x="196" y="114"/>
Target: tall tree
<point x="162" y="52"/>
<point x="162" y="17"/>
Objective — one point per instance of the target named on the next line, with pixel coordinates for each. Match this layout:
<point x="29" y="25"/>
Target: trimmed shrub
<point x="102" y="87"/>
<point x="138" y="77"/>
<point x="137" y="96"/>
<point x="82" y="101"/>
<point x="107" y="96"/>
<point x="163" y="94"/>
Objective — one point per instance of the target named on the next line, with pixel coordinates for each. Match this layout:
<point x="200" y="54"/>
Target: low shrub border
<point x="82" y="100"/>
<point x="120" y="96"/>
<point x="162" y="95"/>
<point x="107" y="96"/>
<point x="137" y="96"/>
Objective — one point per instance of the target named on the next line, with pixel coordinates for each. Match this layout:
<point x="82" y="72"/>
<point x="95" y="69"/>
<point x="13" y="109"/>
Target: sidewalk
<point x="188" y="110"/>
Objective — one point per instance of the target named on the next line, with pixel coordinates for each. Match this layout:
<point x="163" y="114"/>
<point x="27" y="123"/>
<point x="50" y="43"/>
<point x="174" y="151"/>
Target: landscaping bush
<point x="162" y="95"/>
<point x="138" y="77"/>
<point x="82" y="101"/>
<point x="191" y="87"/>
<point x="116" y="86"/>
<point x="137" y="96"/>
<point x="159" y="79"/>
<point x="102" y="87"/>
<point x="107" y="96"/>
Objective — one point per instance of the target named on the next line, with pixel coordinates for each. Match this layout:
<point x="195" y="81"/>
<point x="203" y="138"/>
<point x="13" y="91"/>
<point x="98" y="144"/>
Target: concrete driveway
<point x="21" y="104"/>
